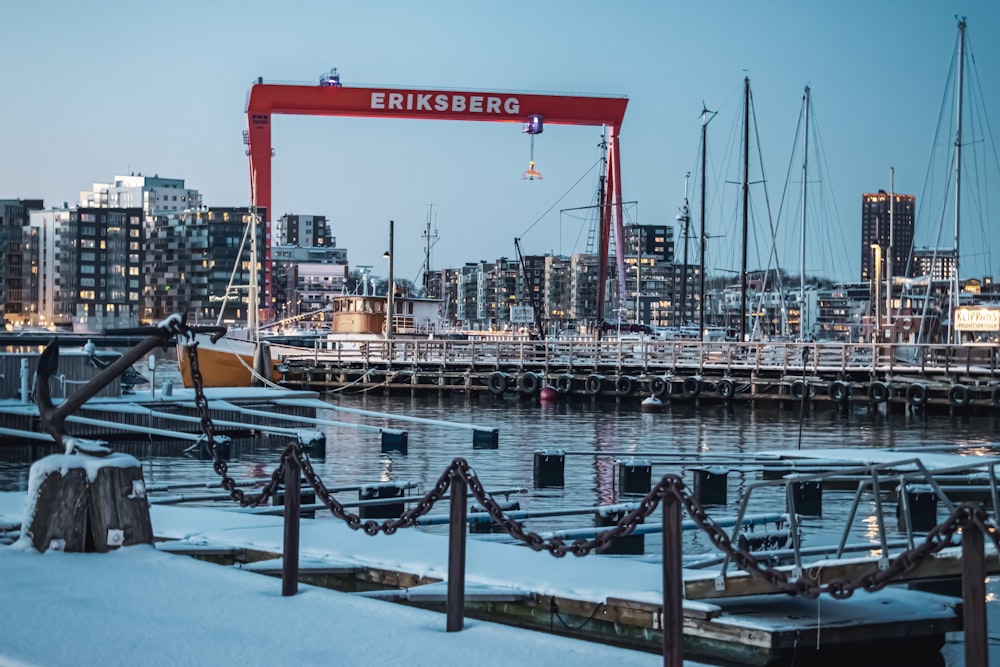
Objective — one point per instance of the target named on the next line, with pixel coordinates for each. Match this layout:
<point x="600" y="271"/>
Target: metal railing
<point x="458" y="481"/>
<point x="976" y="360"/>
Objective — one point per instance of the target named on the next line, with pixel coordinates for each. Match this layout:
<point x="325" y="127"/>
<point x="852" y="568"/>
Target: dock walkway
<point x="608" y="599"/>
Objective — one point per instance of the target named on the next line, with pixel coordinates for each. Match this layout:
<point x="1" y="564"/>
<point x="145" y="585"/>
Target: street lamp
<point x="390" y="296"/>
<point x="878" y="293"/>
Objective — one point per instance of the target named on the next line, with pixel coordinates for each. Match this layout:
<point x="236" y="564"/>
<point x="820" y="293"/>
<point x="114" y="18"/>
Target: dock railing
<point x="778" y="357"/>
<point x="968" y="522"/>
<point x="458" y="481"/>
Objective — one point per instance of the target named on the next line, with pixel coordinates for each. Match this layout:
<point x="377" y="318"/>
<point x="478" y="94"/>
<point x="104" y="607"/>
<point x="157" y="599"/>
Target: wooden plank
<point x="61" y="512"/>
<point x="119" y="511"/>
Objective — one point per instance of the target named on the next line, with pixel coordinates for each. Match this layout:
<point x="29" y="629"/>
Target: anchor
<point x="53" y="417"/>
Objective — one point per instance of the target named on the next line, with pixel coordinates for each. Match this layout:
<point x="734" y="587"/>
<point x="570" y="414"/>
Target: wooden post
<point x="81" y="503"/>
<point x="673" y="649"/>
<point x="974" y="597"/>
<point x="456" y="554"/>
<point x="290" y="563"/>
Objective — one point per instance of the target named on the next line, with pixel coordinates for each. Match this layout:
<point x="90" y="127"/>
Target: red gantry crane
<point x="334" y="99"/>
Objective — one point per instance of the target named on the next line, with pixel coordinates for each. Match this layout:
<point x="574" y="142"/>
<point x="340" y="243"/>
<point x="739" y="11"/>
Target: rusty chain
<point x="941" y="536"/>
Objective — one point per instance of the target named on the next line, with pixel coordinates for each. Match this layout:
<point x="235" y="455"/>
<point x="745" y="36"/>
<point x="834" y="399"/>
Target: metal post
<point x="290" y="565"/>
<point x="974" y="597"/>
<point x="673" y="649"/>
<point x="456" y="554"/>
<point x="391" y="292"/>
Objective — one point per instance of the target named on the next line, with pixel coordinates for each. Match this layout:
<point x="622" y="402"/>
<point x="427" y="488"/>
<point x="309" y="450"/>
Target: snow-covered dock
<point x="608" y="599"/>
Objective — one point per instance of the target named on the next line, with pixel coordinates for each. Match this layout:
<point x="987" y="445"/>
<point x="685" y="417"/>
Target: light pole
<point x="877" y="326"/>
<point x="391" y="289"/>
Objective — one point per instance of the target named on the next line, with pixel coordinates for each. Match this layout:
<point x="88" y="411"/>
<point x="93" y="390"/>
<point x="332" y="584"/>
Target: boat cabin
<point x="355" y="314"/>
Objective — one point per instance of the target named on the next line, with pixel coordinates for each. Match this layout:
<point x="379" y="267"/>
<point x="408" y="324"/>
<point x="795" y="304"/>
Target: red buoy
<point x="652" y="404"/>
<point x="548" y="394"/>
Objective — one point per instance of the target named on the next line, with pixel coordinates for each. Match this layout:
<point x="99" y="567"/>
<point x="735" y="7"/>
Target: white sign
<point x="977" y="319"/>
<point x="446" y="103"/>
<point x="522" y="314"/>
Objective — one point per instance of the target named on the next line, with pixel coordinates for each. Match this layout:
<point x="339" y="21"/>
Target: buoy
<point x="651" y="404"/>
<point x="549" y="394"/>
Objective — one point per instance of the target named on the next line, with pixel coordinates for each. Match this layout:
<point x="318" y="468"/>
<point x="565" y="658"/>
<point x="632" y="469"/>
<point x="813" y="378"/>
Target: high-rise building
<point x="189" y="266"/>
<point x="877" y="228"/>
<point x="100" y="266"/>
<point x="152" y="194"/>
<point x="303" y="230"/>
<point x="14" y="217"/>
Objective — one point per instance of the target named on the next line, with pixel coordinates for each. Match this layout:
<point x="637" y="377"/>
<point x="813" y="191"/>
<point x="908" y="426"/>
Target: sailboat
<point x="239" y="358"/>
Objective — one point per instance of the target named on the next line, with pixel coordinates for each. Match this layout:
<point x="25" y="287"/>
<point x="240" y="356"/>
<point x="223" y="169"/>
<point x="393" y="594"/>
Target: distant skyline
<point x="93" y="90"/>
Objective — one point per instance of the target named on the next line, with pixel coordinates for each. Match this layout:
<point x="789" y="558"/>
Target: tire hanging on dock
<point x="498" y="383"/>
<point x="958" y="395"/>
<point x="878" y="392"/>
<point x="658" y="386"/>
<point x="593" y="385"/>
<point x="995" y="396"/>
<point x="799" y="390"/>
<point x="839" y="391"/>
<point x="531" y="383"/>
<point x="692" y="387"/>
<point x="564" y="384"/>
<point x="916" y="394"/>
<point x="726" y="389"/>
<point x="624" y="385"/>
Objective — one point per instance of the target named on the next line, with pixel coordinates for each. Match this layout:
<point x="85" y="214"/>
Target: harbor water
<point x="596" y="437"/>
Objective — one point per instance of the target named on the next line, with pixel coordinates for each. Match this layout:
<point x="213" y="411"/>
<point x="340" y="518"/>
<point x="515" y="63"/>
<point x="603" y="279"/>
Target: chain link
<point x="941" y="536"/>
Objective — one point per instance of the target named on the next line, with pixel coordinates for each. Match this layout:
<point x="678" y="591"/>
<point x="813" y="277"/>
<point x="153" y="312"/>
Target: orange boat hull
<point x="220" y="368"/>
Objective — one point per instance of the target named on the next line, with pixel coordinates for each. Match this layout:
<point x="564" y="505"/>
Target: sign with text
<point x="977" y="319"/>
<point x="522" y="314"/>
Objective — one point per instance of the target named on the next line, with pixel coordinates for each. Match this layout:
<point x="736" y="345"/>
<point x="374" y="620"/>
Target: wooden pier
<point x="933" y="377"/>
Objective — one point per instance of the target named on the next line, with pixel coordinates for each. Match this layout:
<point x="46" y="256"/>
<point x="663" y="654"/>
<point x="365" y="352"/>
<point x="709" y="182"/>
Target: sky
<point x="103" y="88"/>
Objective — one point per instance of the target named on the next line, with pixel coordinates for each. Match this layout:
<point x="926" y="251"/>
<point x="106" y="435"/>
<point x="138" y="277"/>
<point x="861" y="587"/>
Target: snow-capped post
<point x="456" y="553"/>
<point x="87" y="499"/>
<point x="86" y="503"/>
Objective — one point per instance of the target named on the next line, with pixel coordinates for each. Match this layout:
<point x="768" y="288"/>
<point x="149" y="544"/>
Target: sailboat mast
<point x="890" y="255"/>
<point x="252" y="288"/>
<point x="684" y="217"/>
<point x="701" y="263"/>
<point x="746" y="203"/>
<point x="958" y="174"/>
<point x="805" y="189"/>
<point x="428" y="237"/>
